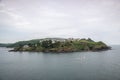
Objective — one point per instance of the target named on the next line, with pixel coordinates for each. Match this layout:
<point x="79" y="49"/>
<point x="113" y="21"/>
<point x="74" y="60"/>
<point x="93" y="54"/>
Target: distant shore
<point x="59" y="45"/>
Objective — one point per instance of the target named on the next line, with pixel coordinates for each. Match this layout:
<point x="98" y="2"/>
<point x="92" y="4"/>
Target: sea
<point x="102" y="65"/>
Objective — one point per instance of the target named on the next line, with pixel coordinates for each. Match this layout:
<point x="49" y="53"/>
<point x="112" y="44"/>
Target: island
<point x="59" y="45"/>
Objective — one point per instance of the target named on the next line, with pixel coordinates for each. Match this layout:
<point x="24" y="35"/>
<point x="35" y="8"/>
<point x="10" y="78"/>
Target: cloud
<point x="9" y="17"/>
<point x="62" y="18"/>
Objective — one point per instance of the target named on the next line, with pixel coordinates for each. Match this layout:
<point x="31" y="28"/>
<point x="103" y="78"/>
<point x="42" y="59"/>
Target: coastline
<point x="61" y="45"/>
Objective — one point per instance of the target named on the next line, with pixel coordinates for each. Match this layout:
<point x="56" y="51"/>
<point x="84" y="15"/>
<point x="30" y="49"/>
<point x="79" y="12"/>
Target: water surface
<point x="103" y="65"/>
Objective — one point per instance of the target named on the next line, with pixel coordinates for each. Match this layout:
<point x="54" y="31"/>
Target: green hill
<point x="4" y="45"/>
<point x="59" y="45"/>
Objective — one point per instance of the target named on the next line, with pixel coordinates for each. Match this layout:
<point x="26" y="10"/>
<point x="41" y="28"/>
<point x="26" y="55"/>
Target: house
<point x="25" y="46"/>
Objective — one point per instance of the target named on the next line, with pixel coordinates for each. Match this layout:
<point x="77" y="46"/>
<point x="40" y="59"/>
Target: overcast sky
<point x="31" y="19"/>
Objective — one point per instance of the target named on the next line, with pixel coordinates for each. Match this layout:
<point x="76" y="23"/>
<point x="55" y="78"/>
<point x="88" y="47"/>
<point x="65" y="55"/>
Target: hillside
<point x="33" y="41"/>
<point x="5" y="45"/>
<point x="59" y="45"/>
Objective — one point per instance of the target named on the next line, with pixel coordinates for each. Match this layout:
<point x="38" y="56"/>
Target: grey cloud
<point x="98" y="19"/>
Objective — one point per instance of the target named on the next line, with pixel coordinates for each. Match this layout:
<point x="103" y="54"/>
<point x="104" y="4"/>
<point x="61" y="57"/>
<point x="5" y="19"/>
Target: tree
<point x="56" y="44"/>
<point x="47" y="44"/>
<point x="89" y="39"/>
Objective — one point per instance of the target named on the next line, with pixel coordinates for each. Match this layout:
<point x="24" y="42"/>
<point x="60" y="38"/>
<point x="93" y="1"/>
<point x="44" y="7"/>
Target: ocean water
<point x="104" y="65"/>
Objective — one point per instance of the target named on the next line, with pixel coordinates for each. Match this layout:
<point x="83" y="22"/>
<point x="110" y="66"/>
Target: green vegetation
<point x="59" y="45"/>
<point x="4" y="45"/>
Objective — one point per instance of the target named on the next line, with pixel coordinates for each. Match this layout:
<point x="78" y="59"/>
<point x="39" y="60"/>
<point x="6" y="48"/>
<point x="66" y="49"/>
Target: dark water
<point x="103" y="65"/>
